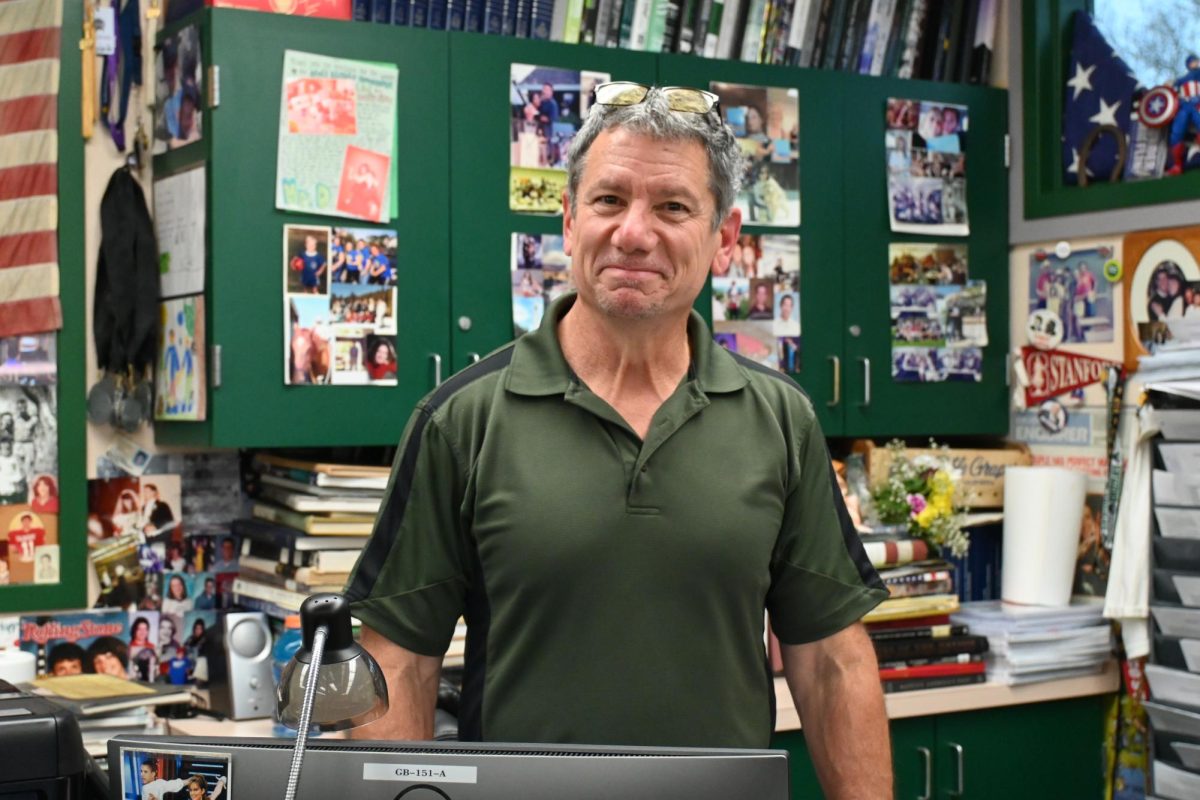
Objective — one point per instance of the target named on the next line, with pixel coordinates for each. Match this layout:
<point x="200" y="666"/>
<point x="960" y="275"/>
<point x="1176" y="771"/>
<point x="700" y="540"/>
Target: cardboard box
<point x="982" y="483"/>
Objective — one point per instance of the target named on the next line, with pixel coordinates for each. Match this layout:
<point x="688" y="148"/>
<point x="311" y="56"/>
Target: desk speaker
<point x="240" y="682"/>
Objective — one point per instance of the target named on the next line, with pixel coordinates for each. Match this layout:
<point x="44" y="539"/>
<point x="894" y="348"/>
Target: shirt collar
<point x="538" y="367"/>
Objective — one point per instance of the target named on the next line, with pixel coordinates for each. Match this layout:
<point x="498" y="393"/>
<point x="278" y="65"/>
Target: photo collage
<point x="29" y="535"/>
<point x="340" y="293"/>
<point x="766" y="122"/>
<point x="926" y="146"/>
<point x="548" y="105"/>
<point x="541" y="273"/>
<point x="756" y="301"/>
<point x="1074" y="300"/>
<point x="176" y="773"/>
<point x="177" y="90"/>
<point x="938" y="315"/>
<point x="171" y="582"/>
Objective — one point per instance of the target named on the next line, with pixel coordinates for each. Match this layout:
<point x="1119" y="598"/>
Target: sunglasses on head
<point x="679" y="98"/>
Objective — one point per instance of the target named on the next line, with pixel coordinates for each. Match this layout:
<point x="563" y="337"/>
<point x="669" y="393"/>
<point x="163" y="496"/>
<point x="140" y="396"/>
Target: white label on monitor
<point x="425" y="773"/>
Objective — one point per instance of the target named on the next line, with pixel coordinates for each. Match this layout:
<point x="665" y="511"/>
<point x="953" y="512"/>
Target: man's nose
<point x="635" y="233"/>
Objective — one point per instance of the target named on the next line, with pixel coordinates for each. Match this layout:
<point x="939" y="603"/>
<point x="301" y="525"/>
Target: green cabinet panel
<point x="914" y="409"/>
<point x="245" y="308"/>
<point x="480" y="135"/>
<point x="821" y="164"/>
<point x="1052" y="749"/>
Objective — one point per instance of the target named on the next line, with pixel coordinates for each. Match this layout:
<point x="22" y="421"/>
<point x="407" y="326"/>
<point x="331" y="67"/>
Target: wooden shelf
<point x="966" y="698"/>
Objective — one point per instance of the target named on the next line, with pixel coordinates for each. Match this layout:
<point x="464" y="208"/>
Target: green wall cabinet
<point x="455" y="230"/>
<point x="1051" y="749"/>
<point x="251" y="406"/>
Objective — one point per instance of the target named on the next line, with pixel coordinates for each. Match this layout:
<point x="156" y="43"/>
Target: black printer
<point x="41" y="749"/>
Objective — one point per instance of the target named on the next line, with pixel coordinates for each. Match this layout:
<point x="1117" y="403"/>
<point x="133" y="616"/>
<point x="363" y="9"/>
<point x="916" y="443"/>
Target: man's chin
<point x="628" y="303"/>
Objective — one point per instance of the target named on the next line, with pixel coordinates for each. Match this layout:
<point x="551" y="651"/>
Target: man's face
<point x="148" y="494"/>
<point x="147" y="774"/>
<point x="785" y="307"/>
<point x="641" y="238"/>
<point x="26" y="523"/>
<point x="227" y="550"/>
<point x="210" y="588"/>
<point x="108" y="664"/>
<point x="166" y="631"/>
<point x="310" y="243"/>
<point x="69" y="666"/>
<point x="547" y="91"/>
<point x="760" y="296"/>
<point x="22" y="408"/>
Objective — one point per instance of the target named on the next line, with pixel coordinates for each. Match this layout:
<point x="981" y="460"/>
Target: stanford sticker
<point x="1054" y="372"/>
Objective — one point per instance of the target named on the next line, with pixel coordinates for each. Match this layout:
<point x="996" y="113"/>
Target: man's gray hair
<point x="654" y="118"/>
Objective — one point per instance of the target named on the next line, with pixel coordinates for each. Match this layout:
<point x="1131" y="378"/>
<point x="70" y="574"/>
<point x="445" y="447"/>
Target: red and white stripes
<point x="30" y="37"/>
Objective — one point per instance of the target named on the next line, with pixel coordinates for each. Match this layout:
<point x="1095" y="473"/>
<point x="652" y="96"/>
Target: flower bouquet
<point x="919" y="494"/>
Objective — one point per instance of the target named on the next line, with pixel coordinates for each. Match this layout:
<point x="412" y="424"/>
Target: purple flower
<point x="917" y="503"/>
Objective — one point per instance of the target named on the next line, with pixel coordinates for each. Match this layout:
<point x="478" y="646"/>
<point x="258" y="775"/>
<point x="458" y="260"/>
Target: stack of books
<point x="338" y="498"/>
<point x="1030" y="644"/>
<point x="915" y="643"/>
<point x="106" y="706"/>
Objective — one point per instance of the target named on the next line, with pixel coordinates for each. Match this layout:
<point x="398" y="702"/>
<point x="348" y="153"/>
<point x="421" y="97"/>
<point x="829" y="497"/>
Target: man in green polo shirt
<point x="613" y="501"/>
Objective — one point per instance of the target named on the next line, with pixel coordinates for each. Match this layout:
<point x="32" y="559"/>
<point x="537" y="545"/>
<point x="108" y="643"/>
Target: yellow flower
<point x="942" y="483"/>
<point x="926" y="517"/>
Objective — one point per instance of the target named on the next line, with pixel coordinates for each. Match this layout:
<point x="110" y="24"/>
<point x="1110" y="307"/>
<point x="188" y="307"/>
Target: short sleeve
<point x="821" y="577"/>
<point x="410" y="581"/>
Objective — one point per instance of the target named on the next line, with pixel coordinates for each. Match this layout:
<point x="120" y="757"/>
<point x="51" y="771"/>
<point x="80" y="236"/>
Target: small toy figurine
<point x="1188" y="116"/>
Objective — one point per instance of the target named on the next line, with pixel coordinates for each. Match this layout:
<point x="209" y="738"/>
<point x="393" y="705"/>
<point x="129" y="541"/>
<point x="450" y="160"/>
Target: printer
<point x="41" y="750"/>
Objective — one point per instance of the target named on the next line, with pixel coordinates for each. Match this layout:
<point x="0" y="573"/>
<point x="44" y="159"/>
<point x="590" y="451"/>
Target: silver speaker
<point x="240" y="682"/>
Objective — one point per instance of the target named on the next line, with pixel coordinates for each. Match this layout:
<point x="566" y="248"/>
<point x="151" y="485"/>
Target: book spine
<point x="656" y="26"/>
<point x="604" y="15"/>
<point x="418" y="14"/>
<point x="473" y="23"/>
<point x="910" y="48"/>
<point x="704" y="9"/>
<point x="574" y="21"/>
<point x="984" y="42"/>
<point x="541" y="17"/>
<point x="456" y="15"/>
<point x="640" y="24"/>
<point x="381" y="11"/>
<point x="914" y="684"/>
<point x="400" y="12"/>
<point x="816" y="56"/>
<point x="493" y="17"/>
<point x="685" y="42"/>
<point x="782" y="28"/>
<point x="521" y="24"/>
<point x="895" y="38"/>
<point x="920" y="589"/>
<point x="918" y="632"/>
<point x="932" y="671"/>
<point x="852" y="38"/>
<point x="272" y="610"/>
<point x="896" y="553"/>
<point x="672" y="23"/>
<point x="733" y="18"/>
<point x="712" y="31"/>
<point x="616" y="10"/>
<point x="587" y="23"/>
<point x="834" y="34"/>
<point x="362" y="10"/>
<point x="904" y="649"/>
<point x="885" y="23"/>
<point x="752" y="31"/>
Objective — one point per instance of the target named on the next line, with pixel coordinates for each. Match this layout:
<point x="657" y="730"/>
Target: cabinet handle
<point x="866" y="401"/>
<point x="927" y="757"/>
<point x="472" y="358"/>
<point x="437" y="369"/>
<point x="958" y="762"/>
<point x="837" y="381"/>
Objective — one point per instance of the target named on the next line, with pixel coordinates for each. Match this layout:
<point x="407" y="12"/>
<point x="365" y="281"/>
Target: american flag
<point x="29" y="52"/>
<point x="1099" y="91"/>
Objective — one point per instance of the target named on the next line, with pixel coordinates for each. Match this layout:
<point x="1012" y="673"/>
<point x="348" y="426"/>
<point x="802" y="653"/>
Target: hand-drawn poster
<point x="926" y="158"/>
<point x="766" y="122"/>
<point x="179" y="230"/>
<point x="180" y="389"/>
<point x="756" y="301"/>
<point x="337" y="124"/>
<point x="340" y="306"/>
<point x="541" y="273"/>
<point x="548" y="105"/>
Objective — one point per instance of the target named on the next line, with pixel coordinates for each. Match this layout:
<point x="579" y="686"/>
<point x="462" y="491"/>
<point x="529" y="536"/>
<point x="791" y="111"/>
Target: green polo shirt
<point x="614" y="588"/>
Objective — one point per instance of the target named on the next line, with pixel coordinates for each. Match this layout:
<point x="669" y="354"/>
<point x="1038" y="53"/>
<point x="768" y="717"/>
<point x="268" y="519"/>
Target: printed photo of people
<point x="547" y="107"/>
<point x="364" y="184"/>
<point x="962" y="312"/>
<point x="29" y="360"/>
<point x="118" y="566"/>
<point x="1074" y="289"/>
<point x="322" y="106"/>
<point x="356" y="309"/>
<point x="926" y="151"/>
<point x="934" y="264"/>
<point x="766" y="122"/>
<point x="166" y="775"/>
<point x="364" y="256"/>
<point x="144" y="628"/>
<point x="757" y="296"/>
<point x="148" y="507"/>
<point x="937" y="331"/>
<point x="27" y="535"/>
<point x="306" y="259"/>
<point x="917" y="365"/>
<point x="78" y="642"/>
<point x="540" y="273"/>
<point x="963" y="363"/>
<point x="28" y="439"/>
<point x="308" y="340"/>
<point x="178" y="68"/>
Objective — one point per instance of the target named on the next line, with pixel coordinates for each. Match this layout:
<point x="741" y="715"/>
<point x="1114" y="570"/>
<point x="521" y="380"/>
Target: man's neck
<point x="634" y="365"/>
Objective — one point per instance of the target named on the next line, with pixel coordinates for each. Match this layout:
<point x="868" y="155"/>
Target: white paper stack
<point x="1030" y="644"/>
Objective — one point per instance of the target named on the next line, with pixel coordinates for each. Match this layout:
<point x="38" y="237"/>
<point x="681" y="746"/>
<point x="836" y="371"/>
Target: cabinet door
<point x="912" y="757"/>
<point x="481" y="125"/>
<point x="245" y="304"/>
<point x="875" y="404"/>
<point x="1037" y="750"/>
<point x="820" y="146"/>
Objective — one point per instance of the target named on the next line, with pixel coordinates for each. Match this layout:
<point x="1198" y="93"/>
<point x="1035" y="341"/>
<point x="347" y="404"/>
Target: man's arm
<point x="412" y="681"/>
<point x="835" y="685"/>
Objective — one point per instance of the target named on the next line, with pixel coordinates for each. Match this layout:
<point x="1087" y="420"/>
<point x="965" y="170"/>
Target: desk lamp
<point x="331" y="681"/>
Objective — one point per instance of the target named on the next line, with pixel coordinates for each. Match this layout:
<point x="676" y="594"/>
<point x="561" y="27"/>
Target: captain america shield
<point x="1158" y="107"/>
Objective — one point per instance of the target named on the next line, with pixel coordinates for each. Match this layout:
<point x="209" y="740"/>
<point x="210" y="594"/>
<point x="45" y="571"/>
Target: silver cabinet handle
<point x="437" y="369"/>
<point x="472" y="358"/>
<point x="958" y="760"/>
<point x="837" y="382"/>
<point x="927" y="757"/>
<point x="866" y="401"/>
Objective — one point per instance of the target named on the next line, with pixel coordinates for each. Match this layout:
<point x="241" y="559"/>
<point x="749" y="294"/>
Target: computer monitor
<point x="340" y="769"/>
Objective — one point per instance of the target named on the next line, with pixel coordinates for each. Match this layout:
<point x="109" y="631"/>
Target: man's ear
<point x="727" y="234"/>
<point x="568" y="222"/>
